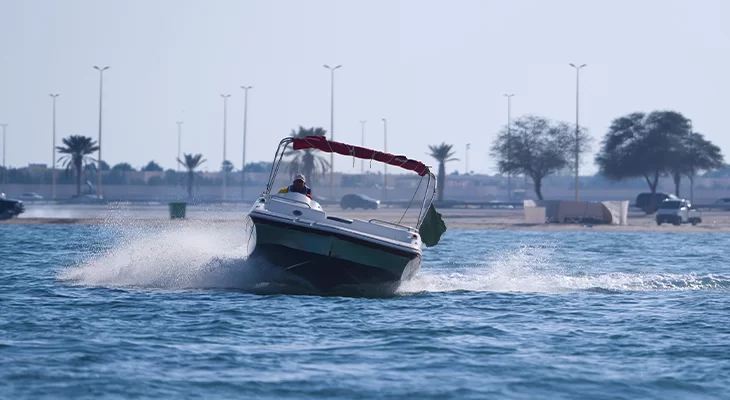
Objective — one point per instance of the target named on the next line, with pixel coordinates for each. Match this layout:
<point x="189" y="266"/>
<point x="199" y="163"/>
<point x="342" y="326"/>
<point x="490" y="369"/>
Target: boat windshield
<point x="321" y="143"/>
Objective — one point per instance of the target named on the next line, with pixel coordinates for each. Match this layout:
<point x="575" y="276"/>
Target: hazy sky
<point x="437" y="70"/>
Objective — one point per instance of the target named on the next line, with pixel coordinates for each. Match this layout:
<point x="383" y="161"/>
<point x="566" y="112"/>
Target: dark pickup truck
<point x="10" y="208"/>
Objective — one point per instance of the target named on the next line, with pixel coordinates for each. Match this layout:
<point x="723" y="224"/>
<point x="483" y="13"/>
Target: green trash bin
<point x="177" y="210"/>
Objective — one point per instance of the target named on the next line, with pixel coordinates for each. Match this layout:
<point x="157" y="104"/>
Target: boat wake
<point x="537" y="269"/>
<point x="195" y="255"/>
<point x="213" y="256"/>
<point x="191" y="255"/>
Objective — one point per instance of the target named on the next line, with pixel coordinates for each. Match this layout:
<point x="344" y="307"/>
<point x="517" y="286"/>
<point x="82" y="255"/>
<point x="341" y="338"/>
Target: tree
<point x="152" y="167"/>
<point x="227" y="166"/>
<point x="696" y="154"/>
<point x="76" y="149"/>
<point x="442" y="153"/>
<point x="538" y="147"/>
<point x="643" y="145"/>
<point x="260" y="166"/>
<point x="307" y="161"/>
<point x="191" y="163"/>
<point x="123" y="167"/>
<point x="722" y="172"/>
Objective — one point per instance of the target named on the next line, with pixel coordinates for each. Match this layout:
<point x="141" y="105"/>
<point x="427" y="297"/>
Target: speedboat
<point x="294" y="233"/>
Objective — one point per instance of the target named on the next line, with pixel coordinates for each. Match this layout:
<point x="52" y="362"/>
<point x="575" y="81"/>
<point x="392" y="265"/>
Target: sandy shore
<point x="472" y="219"/>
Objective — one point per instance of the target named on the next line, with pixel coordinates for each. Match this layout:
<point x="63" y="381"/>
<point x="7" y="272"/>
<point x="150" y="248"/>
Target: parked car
<point x="31" y="196"/>
<point x="10" y="208"/>
<point x="725" y="201"/>
<point x="643" y="201"/>
<point x="355" y="200"/>
<point x="677" y="212"/>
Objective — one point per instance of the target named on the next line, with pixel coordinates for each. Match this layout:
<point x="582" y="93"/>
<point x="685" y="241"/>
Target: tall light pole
<point x="179" y="141"/>
<point x="509" y="144"/>
<point x="332" y="126"/>
<point x="101" y="90"/>
<point x="362" y="144"/>
<point x="466" y="171"/>
<point x="385" y="165"/>
<point x="577" y="127"/>
<point x="5" y="168"/>
<point x="692" y="160"/>
<point x="53" y="168"/>
<point x="225" y="122"/>
<point x="245" y="121"/>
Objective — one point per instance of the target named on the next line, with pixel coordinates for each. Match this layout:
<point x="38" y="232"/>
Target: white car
<point x="31" y="196"/>
<point x="677" y="211"/>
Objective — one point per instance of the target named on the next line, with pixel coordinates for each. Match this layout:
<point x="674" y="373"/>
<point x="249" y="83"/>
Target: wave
<point x="188" y="255"/>
<point x="537" y="269"/>
<point x="200" y="255"/>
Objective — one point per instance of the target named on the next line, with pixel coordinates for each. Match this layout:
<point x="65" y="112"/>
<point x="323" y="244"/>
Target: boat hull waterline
<point x="328" y="259"/>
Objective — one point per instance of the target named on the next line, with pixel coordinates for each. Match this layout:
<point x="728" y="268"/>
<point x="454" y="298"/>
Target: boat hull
<point x="327" y="260"/>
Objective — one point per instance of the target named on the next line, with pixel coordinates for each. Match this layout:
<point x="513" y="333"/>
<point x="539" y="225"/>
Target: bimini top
<point x="329" y="146"/>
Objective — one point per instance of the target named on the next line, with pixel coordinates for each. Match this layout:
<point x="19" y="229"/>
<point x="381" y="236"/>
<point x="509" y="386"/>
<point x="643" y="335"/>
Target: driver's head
<point x="299" y="181"/>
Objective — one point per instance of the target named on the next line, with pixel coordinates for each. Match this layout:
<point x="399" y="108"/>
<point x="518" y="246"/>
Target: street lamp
<point x="692" y="163"/>
<point x="245" y="121"/>
<point x="101" y="87"/>
<point x="362" y="144"/>
<point x="53" y="168"/>
<point x="385" y="164"/>
<point x="332" y="126"/>
<point x="509" y="144"/>
<point x="223" y="165"/>
<point x="577" y="127"/>
<point x="5" y="168"/>
<point x="468" y="146"/>
<point x="179" y="140"/>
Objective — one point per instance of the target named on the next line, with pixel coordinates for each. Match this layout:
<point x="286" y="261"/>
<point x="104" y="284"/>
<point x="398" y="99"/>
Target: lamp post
<point x="468" y="146"/>
<point x="225" y="121"/>
<point x="692" y="161"/>
<point x="5" y="168"/>
<point x="245" y="121"/>
<point x="362" y="144"/>
<point x="179" y="141"/>
<point x="53" y="168"/>
<point x="577" y="127"/>
<point x="385" y="165"/>
<point x="101" y="89"/>
<point x="509" y="144"/>
<point x="332" y="126"/>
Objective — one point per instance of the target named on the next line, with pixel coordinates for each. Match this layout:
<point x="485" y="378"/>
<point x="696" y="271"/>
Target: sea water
<point x="114" y="311"/>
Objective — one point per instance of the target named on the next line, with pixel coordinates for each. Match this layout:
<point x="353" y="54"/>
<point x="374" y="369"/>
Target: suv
<point x="10" y="208"/>
<point x="643" y="200"/>
<point x="677" y="212"/>
<point x="358" y="201"/>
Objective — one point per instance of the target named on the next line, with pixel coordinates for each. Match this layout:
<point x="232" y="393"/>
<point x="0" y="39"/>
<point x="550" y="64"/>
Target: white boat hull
<point x="327" y="252"/>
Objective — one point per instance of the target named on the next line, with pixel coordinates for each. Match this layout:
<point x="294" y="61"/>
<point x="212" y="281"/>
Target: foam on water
<point x="204" y="255"/>
<point x="536" y="269"/>
<point x="186" y="255"/>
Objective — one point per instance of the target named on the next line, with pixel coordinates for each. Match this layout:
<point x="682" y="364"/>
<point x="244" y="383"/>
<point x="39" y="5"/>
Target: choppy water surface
<point x="103" y="311"/>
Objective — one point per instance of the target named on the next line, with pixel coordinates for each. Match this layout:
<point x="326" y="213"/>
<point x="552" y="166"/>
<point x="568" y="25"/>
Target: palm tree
<point x="307" y="161"/>
<point x="76" y="149"/>
<point x="443" y="154"/>
<point x="191" y="163"/>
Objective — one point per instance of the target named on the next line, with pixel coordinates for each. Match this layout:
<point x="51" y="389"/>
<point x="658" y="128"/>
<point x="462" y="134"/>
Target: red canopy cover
<point x="321" y="143"/>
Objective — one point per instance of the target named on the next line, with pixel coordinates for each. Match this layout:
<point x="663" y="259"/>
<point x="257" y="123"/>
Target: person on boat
<point x="298" y="186"/>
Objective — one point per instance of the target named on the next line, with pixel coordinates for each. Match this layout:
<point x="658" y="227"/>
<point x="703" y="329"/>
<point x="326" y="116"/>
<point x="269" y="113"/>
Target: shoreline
<point x="455" y="219"/>
<point x="455" y="223"/>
